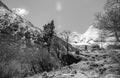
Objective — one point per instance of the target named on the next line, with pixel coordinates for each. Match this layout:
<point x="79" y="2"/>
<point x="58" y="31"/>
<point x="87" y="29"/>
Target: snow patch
<point x="87" y="38"/>
<point x="20" y="11"/>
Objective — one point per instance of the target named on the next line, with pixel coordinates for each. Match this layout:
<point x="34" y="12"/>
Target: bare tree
<point x="110" y="21"/>
<point x="66" y="37"/>
<point x="111" y="4"/>
<point x="102" y="37"/>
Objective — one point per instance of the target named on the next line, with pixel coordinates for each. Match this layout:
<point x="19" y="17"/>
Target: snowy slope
<point x="86" y="38"/>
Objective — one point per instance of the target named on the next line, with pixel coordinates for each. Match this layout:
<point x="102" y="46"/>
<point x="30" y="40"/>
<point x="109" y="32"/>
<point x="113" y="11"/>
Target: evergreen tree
<point x="48" y="33"/>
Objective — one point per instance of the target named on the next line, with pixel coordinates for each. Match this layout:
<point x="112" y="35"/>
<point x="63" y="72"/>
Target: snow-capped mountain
<point x="86" y="38"/>
<point x="91" y="37"/>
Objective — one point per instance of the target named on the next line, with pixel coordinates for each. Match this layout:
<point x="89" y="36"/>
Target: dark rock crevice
<point x="69" y="59"/>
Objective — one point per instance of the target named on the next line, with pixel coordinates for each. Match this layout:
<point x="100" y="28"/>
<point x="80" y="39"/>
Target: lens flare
<point x="58" y="6"/>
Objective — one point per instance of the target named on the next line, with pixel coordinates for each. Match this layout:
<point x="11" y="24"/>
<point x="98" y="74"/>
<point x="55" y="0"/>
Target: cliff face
<point x="22" y="52"/>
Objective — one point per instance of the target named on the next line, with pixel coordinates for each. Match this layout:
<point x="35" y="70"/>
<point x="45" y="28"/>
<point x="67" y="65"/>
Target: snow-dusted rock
<point x="86" y="38"/>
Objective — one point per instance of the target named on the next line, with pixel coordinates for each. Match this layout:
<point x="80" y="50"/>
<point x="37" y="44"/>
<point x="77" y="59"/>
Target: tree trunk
<point x="49" y="44"/>
<point x="116" y="36"/>
<point x="67" y="45"/>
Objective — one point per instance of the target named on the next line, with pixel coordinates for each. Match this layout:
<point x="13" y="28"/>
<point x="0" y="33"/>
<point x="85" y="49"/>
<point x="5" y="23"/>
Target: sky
<point x="73" y="15"/>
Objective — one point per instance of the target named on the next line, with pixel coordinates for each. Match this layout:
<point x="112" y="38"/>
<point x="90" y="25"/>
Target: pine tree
<point x="48" y="33"/>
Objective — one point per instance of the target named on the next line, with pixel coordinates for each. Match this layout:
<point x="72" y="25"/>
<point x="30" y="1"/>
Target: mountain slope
<point x="86" y="38"/>
<point x="22" y="52"/>
<point x="3" y="5"/>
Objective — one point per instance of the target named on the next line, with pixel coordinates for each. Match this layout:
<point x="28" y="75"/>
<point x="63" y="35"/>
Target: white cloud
<point x="58" y="6"/>
<point x="21" y="11"/>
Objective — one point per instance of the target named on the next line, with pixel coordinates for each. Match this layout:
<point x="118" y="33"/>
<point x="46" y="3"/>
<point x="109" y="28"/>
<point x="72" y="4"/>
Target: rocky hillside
<point x="98" y="64"/>
<point x="22" y="51"/>
<point x="24" y="54"/>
